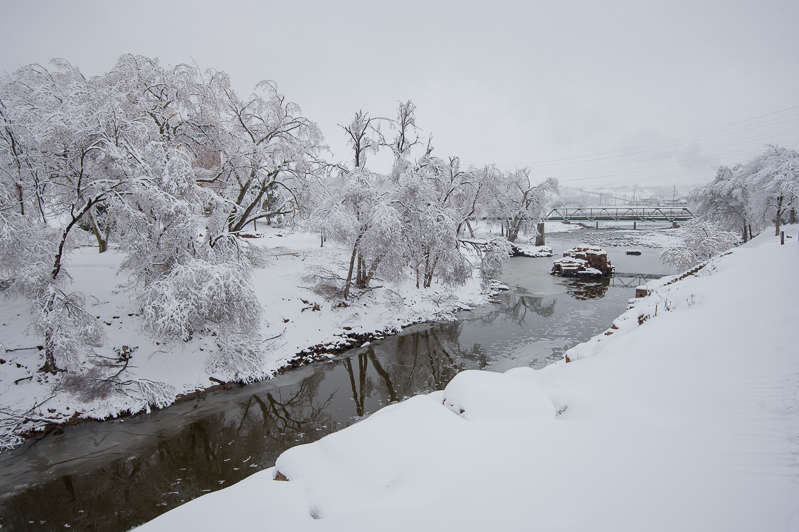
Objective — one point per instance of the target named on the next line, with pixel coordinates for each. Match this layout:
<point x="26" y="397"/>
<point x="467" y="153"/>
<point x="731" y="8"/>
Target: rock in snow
<point x="583" y="261"/>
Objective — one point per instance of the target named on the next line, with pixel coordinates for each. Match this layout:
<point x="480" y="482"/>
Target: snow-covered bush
<point x="238" y="359"/>
<point x="497" y="253"/>
<point x="701" y="241"/>
<point x="199" y="296"/>
<point x="67" y="328"/>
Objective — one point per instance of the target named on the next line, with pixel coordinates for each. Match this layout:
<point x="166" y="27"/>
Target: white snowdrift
<point x="686" y="421"/>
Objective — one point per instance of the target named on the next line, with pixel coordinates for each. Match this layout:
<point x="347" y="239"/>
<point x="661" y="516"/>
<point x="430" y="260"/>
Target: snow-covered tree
<point x="57" y="133"/>
<point x="268" y="150"/>
<point x="358" y="211"/>
<point x="518" y="202"/>
<point x="363" y="137"/>
<point x="169" y="163"/>
<point x="406" y="137"/>
<point x="429" y="231"/>
<point x="728" y="202"/>
<point x="701" y="241"/>
<point x="407" y="222"/>
<point x="467" y="193"/>
<point x="749" y="196"/>
<point x="190" y="275"/>
<point x="776" y="175"/>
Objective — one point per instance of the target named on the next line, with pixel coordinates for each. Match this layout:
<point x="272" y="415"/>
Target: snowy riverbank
<point x="296" y="320"/>
<point x="681" y="417"/>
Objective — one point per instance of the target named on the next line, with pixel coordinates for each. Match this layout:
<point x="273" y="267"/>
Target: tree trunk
<point x="431" y="269"/>
<point x="778" y="217"/>
<point x="49" y="351"/>
<point x="352" y="266"/>
<point x="349" y="273"/>
<point x="359" y="277"/>
<point x="102" y="240"/>
<point x="371" y="273"/>
<point x="21" y="200"/>
<point x="469" y="227"/>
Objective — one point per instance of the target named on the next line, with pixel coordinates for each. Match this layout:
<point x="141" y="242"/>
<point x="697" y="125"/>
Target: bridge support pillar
<point x="540" y="238"/>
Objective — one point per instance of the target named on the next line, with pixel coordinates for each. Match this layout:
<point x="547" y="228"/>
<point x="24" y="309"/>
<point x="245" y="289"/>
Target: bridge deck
<point x="616" y="214"/>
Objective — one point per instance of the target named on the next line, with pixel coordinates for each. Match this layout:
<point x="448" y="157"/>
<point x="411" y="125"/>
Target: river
<point x="114" y="475"/>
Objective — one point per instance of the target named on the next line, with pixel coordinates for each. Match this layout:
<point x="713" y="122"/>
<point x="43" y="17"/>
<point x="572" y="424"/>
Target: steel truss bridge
<point x="620" y="214"/>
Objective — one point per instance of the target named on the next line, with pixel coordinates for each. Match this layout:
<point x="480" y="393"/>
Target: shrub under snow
<point x="200" y="296"/>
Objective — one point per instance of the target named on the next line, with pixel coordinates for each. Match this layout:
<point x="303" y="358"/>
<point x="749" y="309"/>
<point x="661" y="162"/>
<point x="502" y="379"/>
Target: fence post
<point x="782" y="238"/>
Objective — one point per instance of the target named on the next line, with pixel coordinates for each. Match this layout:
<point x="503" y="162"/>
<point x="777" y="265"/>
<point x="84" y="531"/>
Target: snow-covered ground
<point x="683" y="416"/>
<point x="295" y="319"/>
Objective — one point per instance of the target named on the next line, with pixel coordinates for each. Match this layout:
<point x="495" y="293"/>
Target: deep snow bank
<point x="684" y="417"/>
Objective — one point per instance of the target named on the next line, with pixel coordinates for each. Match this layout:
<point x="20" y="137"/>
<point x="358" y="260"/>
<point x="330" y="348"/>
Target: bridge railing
<point x="637" y="214"/>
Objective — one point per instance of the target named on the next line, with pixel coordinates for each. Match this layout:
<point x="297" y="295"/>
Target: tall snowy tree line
<point x="737" y="205"/>
<point x="171" y="165"/>
<point x="753" y="195"/>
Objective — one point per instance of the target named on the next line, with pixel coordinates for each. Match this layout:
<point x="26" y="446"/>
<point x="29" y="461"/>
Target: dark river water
<point x="117" y="474"/>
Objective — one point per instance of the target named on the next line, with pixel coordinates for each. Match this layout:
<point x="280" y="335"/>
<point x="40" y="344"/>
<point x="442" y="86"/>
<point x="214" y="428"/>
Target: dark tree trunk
<point x="469" y="227"/>
<point x="21" y="200"/>
<point x="102" y="239"/>
<point x="352" y="267"/>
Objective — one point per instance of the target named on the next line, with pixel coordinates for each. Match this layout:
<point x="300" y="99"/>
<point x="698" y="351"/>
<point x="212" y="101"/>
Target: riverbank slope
<point x="683" y="416"/>
<point x="299" y="324"/>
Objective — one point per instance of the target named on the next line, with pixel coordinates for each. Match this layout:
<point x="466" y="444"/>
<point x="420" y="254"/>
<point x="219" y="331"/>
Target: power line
<point x="655" y="162"/>
<point x="642" y="171"/>
<point x="669" y="140"/>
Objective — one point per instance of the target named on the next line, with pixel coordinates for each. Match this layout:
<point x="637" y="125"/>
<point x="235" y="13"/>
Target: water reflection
<point x="587" y="289"/>
<point x="115" y="475"/>
<point x="205" y="455"/>
<point x="241" y="431"/>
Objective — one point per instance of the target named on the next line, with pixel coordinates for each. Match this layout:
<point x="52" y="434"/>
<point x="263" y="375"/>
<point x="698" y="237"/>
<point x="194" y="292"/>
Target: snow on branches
<point x="168" y="163"/>
<point x="701" y="240"/>
<point x="198" y="297"/>
<point x="750" y="196"/>
<point x="407" y="224"/>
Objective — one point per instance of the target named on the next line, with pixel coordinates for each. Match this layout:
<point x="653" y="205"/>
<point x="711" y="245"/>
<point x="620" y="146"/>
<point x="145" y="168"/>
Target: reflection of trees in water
<point x="284" y="417"/>
<point x="408" y="364"/>
<point x="515" y="308"/>
<point x="204" y="456"/>
<point x="584" y="290"/>
<point x="248" y="435"/>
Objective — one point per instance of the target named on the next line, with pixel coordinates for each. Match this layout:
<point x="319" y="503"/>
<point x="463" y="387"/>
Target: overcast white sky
<point x="616" y="92"/>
